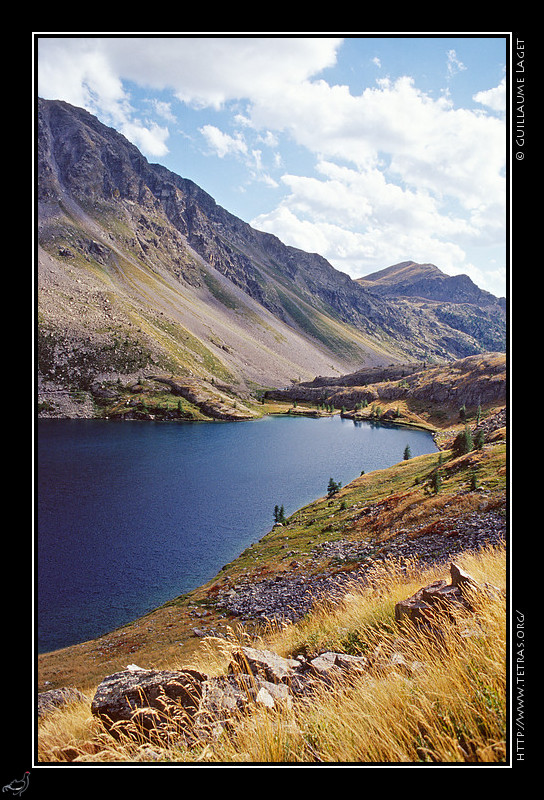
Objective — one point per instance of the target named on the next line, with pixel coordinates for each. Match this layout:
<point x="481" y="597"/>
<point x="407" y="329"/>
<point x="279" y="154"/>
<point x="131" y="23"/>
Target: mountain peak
<point x="141" y="270"/>
<point x="410" y="279"/>
<point x="404" y="271"/>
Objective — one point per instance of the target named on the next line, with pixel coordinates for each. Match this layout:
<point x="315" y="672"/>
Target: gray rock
<point x="146" y="700"/>
<point x="264" y="663"/>
<point x="441" y="597"/>
<point x="55" y="698"/>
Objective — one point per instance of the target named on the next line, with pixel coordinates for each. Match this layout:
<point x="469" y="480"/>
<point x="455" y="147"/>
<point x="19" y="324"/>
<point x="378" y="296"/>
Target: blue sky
<point x="369" y="150"/>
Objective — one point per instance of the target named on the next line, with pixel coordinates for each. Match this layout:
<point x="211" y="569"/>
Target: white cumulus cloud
<point x="493" y="98"/>
<point x="222" y="143"/>
<point x="398" y="173"/>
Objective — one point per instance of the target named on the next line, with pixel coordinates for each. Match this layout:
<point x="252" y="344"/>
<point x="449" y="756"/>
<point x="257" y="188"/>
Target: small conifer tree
<point x="463" y="442"/>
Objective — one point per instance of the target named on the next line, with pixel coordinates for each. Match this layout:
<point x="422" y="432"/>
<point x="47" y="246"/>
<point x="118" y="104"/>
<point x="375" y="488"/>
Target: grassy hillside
<point x="380" y="538"/>
<point x="445" y="702"/>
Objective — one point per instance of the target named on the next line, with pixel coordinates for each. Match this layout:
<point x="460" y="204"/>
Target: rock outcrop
<point x="442" y="598"/>
<point x="471" y="381"/>
<point x="190" y="707"/>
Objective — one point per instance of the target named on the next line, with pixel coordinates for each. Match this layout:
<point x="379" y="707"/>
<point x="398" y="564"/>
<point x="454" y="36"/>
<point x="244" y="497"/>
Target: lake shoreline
<point x="173" y="632"/>
<point x="299" y="461"/>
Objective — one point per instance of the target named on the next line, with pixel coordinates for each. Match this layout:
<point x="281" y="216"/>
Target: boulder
<point x="55" y="698"/>
<point x="136" y="702"/>
<point x="330" y="666"/>
<point x="324" y="667"/>
<point x="264" y="663"/>
<point x="440" y="596"/>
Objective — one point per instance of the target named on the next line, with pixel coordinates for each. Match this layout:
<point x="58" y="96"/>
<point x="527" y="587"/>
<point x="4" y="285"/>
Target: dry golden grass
<point x="449" y="706"/>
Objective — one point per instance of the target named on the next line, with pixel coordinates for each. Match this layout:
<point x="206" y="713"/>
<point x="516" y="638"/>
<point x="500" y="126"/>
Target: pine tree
<point x="436" y="481"/>
<point x="463" y="442"/>
<point x="333" y="487"/>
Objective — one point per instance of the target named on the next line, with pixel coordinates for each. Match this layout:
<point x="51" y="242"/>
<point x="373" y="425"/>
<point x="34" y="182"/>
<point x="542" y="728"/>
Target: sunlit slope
<point x="140" y="270"/>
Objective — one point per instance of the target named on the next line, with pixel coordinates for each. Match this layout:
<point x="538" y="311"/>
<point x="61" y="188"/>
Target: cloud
<point x="495" y="99"/>
<point x="454" y="65"/>
<point x="163" y="109"/>
<point x="360" y="220"/>
<point x="222" y="143"/>
<point x="398" y="172"/>
<point x="427" y="142"/>
<point x="201" y="71"/>
<point x="150" y="139"/>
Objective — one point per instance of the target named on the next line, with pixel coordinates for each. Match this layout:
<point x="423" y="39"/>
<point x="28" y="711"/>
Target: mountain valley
<point x="141" y="275"/>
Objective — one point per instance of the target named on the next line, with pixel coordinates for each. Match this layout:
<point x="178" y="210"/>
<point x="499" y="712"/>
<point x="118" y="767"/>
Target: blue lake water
<point x="132" y="514"/>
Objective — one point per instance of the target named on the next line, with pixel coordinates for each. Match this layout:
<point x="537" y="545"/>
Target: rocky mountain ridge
<point x="470" y="382"/>
<point x="139" y="270"/>
<point x="426" y="281"/>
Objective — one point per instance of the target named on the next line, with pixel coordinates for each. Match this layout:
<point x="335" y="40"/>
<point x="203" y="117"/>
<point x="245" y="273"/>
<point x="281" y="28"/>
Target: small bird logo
<point x="17" y="787"/>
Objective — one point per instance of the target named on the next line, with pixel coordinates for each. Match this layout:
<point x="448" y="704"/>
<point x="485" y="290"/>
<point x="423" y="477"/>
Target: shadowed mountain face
<point x="140" y="271"/>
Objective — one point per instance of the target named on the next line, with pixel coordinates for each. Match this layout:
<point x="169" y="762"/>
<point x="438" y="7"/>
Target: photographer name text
<point x="519" y="96"/>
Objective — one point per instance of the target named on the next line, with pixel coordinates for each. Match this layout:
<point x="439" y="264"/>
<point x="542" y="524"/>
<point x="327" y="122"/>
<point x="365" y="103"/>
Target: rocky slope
<point x="408" y="392"/>
<point x="140" y="272"/>
<point x="189" y="713"/>
<point x="159" y="707"/>
<point x="455" y="301"/>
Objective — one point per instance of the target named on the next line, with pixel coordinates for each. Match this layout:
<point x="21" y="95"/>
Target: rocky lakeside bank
<point x="420" y="395"/>
<point x="319" y="552"/>
<point x="153" y="398"/>
<point x="153" y="713"/>
<point x="288" y="596"/>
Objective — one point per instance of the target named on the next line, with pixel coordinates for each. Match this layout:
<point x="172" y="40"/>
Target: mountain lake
<point x="129" y="515"/>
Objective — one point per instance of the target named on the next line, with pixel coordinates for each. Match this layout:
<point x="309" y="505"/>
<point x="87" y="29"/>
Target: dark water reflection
<point x="132" y="514"/>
